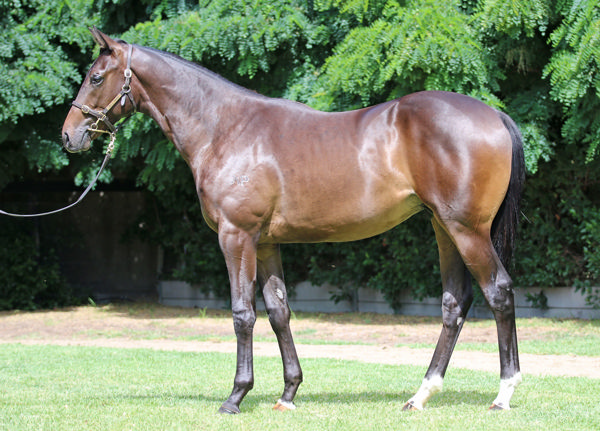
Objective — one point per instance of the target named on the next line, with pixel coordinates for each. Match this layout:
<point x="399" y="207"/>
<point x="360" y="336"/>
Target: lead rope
<point x="109" y="150"/>
<point x="100" y="116"/>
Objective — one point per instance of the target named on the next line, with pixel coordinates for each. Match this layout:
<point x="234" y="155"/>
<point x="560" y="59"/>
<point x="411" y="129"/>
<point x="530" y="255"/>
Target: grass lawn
<point x="93" y="388"/>
<point x="555" y="337"/>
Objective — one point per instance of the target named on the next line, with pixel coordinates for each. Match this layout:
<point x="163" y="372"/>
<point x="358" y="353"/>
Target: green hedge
<point x="538" y="60"/>
<point x="31" y="274"/>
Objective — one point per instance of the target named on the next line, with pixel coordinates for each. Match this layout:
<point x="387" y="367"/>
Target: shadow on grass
<point x="255" y="402"/>
<point x="439" y="400"/>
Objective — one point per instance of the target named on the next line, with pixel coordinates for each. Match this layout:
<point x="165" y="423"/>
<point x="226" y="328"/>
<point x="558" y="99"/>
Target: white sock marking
<point x="428" y="388"/>
<point x="287" y="404"/>
<point x="507" y="389"/>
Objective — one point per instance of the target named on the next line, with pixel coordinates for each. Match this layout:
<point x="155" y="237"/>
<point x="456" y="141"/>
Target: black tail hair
<point x="504" y="227"/>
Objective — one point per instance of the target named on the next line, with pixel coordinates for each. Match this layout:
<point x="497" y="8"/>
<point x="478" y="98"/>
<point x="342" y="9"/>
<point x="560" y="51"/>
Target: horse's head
<point x="104" y="97"/>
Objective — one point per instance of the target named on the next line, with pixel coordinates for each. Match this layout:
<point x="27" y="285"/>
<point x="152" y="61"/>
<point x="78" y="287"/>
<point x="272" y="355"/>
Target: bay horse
<point x="271" y="171"/>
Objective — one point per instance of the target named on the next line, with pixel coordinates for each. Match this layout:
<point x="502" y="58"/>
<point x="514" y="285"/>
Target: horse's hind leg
<point x="480" y="257"/>
<point x="456" y="300"/>
<point x="270" y="277"/>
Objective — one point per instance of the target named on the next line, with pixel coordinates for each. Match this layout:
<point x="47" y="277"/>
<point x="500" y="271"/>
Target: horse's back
<point x="310" y="176"/>
<point x="380" y="165"/>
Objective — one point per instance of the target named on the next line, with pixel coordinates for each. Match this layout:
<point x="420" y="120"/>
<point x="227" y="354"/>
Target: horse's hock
<point x="268" y="171"/>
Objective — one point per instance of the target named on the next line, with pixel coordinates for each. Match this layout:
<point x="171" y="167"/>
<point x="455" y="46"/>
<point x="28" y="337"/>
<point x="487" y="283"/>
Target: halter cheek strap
<point x="112" y="131"/>
<point x="102" y="115"/>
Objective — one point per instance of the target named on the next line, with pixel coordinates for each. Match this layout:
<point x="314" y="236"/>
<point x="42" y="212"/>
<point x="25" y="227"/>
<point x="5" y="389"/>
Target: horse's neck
<point x="185" y="101"/>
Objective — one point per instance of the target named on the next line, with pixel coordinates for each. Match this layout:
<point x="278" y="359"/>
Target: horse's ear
<point x="101" y="39"/>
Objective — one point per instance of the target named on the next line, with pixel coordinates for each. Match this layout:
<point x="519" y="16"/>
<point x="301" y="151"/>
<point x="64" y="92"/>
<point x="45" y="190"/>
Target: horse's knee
<point x="243" y="321"/>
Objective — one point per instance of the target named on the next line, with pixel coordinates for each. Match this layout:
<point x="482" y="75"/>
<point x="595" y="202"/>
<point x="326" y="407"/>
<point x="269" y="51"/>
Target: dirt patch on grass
<point x="363" y="337"/>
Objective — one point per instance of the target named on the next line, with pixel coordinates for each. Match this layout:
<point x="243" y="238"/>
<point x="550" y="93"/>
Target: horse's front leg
<point x="270" y="277"/>
<point x="239" y="250"/>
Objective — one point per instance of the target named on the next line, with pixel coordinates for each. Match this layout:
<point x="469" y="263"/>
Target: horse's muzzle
<point x="74" y="145"/>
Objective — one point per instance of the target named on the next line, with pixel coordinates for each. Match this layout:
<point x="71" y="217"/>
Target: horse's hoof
<point x="229" y="410"/>
<point x="284" y="406"/>
<point x="497" y="407"/>
<point x="409" y="407"/>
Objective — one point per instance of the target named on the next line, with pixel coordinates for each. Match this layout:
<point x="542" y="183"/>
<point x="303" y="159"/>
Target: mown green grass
<point x="561" y="344"/>
<point x="92" y="388"/>
<point x="554" y="336"/>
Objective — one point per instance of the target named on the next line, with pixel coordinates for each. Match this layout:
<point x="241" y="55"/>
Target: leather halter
<point x="112" y="131"/>
<point x="102" y="115"/>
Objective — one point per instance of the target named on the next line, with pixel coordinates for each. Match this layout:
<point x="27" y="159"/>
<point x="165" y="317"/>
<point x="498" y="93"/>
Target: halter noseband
<point x="102" y="115"/>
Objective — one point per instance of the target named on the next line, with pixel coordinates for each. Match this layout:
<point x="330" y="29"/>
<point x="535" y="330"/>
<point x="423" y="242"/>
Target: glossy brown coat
<point x="272" y="171"/>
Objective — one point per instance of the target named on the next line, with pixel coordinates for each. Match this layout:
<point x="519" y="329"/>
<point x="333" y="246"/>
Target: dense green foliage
<point x="574" y="72"/>
<point x="537" y="60"/>
<point x="31" y="275"/>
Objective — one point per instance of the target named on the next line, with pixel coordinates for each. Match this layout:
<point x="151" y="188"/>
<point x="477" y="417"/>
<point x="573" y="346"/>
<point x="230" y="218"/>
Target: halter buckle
<point x="111" y="145"/>
<point x="102" y="115"/>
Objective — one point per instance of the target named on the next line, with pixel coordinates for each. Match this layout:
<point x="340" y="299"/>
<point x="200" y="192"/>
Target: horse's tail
<point x="504" y="227"/>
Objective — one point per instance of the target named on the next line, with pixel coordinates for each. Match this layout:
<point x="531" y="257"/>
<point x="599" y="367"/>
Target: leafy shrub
<point x="559" y="239"/>
<point x="31" y="276"/>
<point x="537" y="60"/>
<point x="402" y="259"/>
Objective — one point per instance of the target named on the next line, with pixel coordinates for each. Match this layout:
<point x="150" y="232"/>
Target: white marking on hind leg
<point x="429" y="387"/>
<point x="284" y="405"/>
<point x="507" y="389"/>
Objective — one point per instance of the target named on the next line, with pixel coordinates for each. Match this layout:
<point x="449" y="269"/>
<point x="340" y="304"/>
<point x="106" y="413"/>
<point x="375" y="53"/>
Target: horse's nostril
<point x="66" y="138"/>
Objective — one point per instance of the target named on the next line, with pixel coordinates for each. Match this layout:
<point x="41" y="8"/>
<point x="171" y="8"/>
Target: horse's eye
<point x="96" y="79"/>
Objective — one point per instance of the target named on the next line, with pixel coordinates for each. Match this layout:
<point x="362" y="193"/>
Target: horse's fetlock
<point x="294" y="379"/>
<point x="244" y="383"/>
